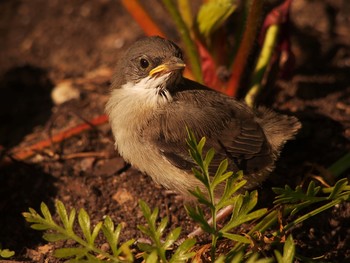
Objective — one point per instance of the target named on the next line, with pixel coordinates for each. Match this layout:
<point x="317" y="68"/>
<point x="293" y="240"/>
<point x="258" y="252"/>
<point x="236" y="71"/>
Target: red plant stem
<point x="22" y="154"/>
<point x="142" y="18"/>
<point x="253" y="21"/>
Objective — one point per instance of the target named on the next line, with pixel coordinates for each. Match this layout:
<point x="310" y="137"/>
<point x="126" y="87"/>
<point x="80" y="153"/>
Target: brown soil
<point x="45" y="43"/>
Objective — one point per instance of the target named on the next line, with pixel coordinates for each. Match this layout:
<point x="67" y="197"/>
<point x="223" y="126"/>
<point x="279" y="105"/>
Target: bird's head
<point x="152" y="63"/>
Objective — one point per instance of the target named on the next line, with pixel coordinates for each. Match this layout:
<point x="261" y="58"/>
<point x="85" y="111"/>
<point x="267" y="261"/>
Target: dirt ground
<point x="75" y="44"/>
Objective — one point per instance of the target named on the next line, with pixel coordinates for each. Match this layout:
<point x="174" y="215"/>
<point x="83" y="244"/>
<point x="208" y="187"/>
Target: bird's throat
<point x="150" y="91"/>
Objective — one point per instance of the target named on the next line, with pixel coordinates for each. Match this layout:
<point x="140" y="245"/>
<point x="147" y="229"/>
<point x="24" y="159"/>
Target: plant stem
<point x="253" y="22"/>
<point x="186" y="12"/>
<point x="81" y="241"/>
<point x="190" y="46"/>
<point x="340" y="166"/>
<point x="262" y="64"/>
<point x="142" y="18"/>
<point x="311" y="214"/>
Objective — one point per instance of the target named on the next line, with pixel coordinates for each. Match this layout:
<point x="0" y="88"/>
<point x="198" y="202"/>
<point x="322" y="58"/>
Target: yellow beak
<point x="167" y="67"/>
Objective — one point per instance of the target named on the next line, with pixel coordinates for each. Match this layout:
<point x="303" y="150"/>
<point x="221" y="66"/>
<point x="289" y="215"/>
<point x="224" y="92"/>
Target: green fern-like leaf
<point x="86" y="251"/>
<point x="155" y="252"/>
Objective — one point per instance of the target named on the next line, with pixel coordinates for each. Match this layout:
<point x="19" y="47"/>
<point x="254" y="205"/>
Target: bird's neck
<point x="133" y="104"/>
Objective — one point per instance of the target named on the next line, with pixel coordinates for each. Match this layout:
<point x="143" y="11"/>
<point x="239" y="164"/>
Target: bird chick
<point x="151" y="104"/>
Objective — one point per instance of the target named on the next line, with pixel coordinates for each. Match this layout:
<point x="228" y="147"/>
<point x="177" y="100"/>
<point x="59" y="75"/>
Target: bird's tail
<point x="278" y="128"/>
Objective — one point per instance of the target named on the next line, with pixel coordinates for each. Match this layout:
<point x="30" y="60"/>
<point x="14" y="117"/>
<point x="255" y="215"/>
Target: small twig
<point x="21" y="154"/>
<point x="84" y="155"/>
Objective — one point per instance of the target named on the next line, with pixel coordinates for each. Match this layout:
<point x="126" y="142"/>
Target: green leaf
<point x="249" y="201"/>
<point x="146" y="211"/>
<point x="145" y="247"/>
<point x="152" y="258"/>
<point x="213" y="14"/>
<point x="200" y="146"/>
<point x="236" y="237"/>
<point x="62" y="212"/>
<point x="46" y="213"/>
<point x="245" y="218"/>
<point x="231" y="187"/>
<point x="54" y="237"/>
<point x="182" y="253"/>
<point x="255" y="259"/>
<point x="126" y="251"/>
<point x="312" y="190"/>
<point x="197" y="215"/>
<point x="242" y="207"/>
<point x="278" y="256"/>
<point x="70" y="252"/>
<point x="338" y="188"/>
<point x="145" y="230"/>
<point x="40" y="226"/>
<point x="111" y="234"/>
<point x="208" y="158"/>
<point x="84" y="223"/>
<point x="6" y="253"/>
<point x="201" y="198"/>
<point x="71" y="219"/>
<point x="220" y="174"/>
<point x="289" y="250"/>
<point x="172" y="237"/>
<point x="154" y="215"/>
<point x="95" y="232"/>
<point x="221" y="259"/>
<point x="162" y="225"/>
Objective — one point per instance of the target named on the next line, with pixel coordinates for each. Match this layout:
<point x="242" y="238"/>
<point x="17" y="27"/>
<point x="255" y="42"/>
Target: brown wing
<point x="229" y="127"/>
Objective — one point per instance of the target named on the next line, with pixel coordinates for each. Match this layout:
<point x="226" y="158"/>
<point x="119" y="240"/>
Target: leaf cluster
<point x="86" y="249"/>
<point x="295" y="204"/>
<point x="156" y="250"/>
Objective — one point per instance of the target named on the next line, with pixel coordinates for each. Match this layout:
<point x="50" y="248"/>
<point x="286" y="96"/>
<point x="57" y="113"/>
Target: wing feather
<point x="231" y="129"/>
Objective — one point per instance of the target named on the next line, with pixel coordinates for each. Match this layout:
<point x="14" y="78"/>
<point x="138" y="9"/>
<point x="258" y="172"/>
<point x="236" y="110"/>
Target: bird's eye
<point x="144" y="63"/>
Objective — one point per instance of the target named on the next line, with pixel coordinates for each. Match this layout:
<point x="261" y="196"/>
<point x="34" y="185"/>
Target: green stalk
<point x="254" y="20"/>
<point x="185" y="12"/>
<point x="213" y="214"/>
<point x="79" y="240"/>
<point x="190" y="46"/>
<point x="340" y="166"/>
<point x="263" y="62"/>
<point x="311" y="214"/>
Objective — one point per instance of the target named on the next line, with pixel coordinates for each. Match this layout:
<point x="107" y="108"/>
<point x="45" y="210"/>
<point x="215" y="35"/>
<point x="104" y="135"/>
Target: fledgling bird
<point x="151" y="104"/>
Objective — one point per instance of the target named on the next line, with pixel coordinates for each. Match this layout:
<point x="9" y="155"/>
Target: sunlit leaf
<point x="54" y="237"/>
<point x="182" y="253"/>
<point x="40" y="226"/>
<point x="84" y="222"/>
<point x="6" y="253"/>
<point x="70" y="252"/>
<point x="95" y="232"/>
<point x="46" y="212"/>
<point x="62" y="212"/>
<point x="208" y="158"/>
<point x="172" y="237"/>
<point x="152" y="258"/>
<point x="213" y="14"/>
<point x="236" y="237"/>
